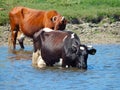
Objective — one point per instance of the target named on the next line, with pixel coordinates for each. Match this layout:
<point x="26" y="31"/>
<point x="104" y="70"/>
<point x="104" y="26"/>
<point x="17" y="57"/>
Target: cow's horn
<point x="89" y="46"/>
<point x="62" y="18"/>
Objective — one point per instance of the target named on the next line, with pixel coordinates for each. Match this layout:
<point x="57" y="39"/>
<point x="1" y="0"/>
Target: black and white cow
<point x="51" y="47"/>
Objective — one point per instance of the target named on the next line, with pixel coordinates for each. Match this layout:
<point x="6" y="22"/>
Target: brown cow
<point x="26" y="21"/>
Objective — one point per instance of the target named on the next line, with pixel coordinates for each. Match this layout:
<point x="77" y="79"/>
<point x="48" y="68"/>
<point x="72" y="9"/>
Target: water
<point x="103" y="73"/>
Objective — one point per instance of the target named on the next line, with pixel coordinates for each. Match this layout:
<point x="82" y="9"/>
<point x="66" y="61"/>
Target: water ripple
<point x="17" y="73"/>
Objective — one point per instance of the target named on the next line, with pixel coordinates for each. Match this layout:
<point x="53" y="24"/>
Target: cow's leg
<point x="13" y="28"/>
<point x="13" y="38"/>
<point x="20" y="38"/>
<point x="21" y="43"/>
<point x="37" y="60"/>
<point x="9" y="41"/>
<point x="14" y="31"/>
<point x="35" y="57"/>
<point x="65" y="63"/>
<point x="41" y="63"/>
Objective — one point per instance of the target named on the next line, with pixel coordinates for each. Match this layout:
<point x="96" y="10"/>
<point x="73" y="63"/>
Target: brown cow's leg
<point x="20" y="38"/>
<point x="21" y="43"/>
<point x="13" y="39"/>
<point x="9" y="40"/>
<point x="14" y="31"/>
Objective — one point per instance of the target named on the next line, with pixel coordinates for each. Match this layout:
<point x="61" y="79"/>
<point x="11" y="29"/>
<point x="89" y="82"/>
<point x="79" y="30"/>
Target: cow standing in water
<point x="51" y="47"/>
<point x="26" y="21"/>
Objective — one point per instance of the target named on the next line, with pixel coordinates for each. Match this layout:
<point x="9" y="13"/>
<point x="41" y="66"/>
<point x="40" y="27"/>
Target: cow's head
<point x="82" y="55"/>
<point x="59" y="22"/>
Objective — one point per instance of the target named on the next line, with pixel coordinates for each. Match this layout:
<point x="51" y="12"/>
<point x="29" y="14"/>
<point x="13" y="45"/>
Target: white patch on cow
<point x="14" y="32"/>
<point x="40" y="62"/>
<point x="72" y="35"/>
<point x="37" y="60"/>
<point x="59" y="63"/>
<point x="82" y="48"/>
<point x="66" y="66"/>
<point x="64" y="38"/>
<point x="22" y="36"/>
<point x="89" y="46"/>
<point x="35" y="57"/>
<point x="62" y="18"/>
<point x="47" y="29"/>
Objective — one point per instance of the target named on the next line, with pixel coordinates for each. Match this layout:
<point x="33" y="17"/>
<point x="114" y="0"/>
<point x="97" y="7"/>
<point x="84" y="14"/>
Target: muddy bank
<point x="102" y="33"/>
<point x="89" y="33"/>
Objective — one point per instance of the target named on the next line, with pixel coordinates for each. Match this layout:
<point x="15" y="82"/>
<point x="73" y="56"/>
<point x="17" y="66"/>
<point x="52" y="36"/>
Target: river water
<point x="17" y="73"/>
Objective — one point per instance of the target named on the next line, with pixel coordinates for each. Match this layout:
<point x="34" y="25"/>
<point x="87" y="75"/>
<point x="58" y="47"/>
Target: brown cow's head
<point x="59" y="22"/>
<point x="54" y="20"/>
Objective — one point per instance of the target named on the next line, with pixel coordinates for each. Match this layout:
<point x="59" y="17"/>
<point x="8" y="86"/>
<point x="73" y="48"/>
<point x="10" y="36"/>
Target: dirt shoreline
<point x="89" y="33"/>
<point x="104" y="33"/>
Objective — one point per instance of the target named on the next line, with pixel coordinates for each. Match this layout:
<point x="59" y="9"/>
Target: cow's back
<point x="53" y="39"/>
<point x="32" y="21"/>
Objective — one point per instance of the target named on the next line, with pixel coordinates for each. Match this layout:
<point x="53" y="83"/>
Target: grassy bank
<point x="88" y="10"/>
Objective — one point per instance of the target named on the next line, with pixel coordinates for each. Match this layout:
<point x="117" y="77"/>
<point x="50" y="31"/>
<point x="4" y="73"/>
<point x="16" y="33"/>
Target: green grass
<point x="81" y="9"/>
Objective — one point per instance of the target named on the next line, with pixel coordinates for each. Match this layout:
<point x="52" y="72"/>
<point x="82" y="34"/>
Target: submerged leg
<point x="37" y="60"/>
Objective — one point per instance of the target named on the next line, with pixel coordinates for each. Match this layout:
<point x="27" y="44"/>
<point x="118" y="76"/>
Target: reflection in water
<point x="17" y="73"/>
<point x="20" y="54"/>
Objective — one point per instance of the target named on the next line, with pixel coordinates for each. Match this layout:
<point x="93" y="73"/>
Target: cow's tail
<point x="37" y="39"/>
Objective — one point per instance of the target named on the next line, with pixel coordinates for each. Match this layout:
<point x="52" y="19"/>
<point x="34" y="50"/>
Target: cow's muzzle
<point x="81" y="66"/>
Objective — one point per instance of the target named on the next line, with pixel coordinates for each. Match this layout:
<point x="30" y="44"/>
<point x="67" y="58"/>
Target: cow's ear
<point x="54" y="18"/>
<point x="92" y="51"/>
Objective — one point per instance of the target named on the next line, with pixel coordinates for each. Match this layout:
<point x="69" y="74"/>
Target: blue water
<point x="17" y="73"/>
